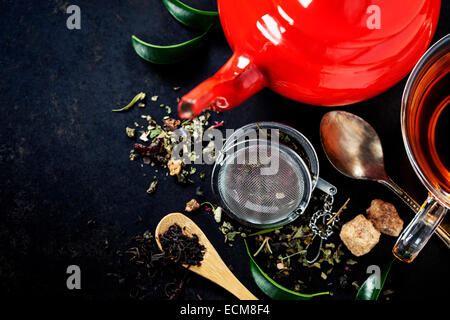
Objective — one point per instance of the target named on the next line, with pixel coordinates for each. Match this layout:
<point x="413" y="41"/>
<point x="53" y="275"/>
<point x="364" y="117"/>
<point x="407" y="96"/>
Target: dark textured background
<point x="64" y="155"/>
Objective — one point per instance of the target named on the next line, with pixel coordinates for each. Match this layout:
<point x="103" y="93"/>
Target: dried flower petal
<point x="281" y="266"/>
<point x="218" y="214"/>
<point x="174" y="166"/>
<point x="192" y="205"/>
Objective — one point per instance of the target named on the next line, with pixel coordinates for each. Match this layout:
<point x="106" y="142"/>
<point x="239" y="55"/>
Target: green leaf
<point x="154" y="133"/>
<point x="273" y="289"/>
<point x="139" y="96"/>
<point x="369" y="290"/>
<point x="167" y="54"/>
<point x="192" y="18"/>
<point x="264" y="231"/>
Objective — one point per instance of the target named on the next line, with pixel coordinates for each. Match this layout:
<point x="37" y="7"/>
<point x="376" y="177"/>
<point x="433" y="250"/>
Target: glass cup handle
<point x="420" y="229"/>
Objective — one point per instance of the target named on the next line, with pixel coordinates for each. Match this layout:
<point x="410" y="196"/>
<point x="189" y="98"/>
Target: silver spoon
<point x="354" y="149"/>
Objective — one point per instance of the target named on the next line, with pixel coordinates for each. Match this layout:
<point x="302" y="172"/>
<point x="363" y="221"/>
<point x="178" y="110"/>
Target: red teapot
<point x="319" y="52"/>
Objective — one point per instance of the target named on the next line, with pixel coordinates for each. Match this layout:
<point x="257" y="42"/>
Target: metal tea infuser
<point x="264" y="177"/>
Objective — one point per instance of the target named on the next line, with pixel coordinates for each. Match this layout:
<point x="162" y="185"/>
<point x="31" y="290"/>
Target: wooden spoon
<point x="212" y="267"/>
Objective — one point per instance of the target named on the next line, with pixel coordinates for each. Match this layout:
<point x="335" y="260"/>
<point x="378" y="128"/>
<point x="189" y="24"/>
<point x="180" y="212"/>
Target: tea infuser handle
<point x="326" y="187"/>
<point x="420" y="229"/>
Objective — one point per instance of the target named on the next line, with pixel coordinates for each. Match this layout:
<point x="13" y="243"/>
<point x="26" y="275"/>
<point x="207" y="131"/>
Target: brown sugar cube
<point x="384" y="217"/>
<point x="359" y="235"/>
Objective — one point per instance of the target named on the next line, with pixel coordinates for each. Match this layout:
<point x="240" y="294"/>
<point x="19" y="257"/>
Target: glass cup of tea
<point x="425" y="121"/>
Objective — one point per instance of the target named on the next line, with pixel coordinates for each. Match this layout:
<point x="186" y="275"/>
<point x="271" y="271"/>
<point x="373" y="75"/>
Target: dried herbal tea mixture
<point x="154" y="274"/>
<point x="180" y="247"/>
<point x="155" y="143"/>
<point x="283" y="254"/>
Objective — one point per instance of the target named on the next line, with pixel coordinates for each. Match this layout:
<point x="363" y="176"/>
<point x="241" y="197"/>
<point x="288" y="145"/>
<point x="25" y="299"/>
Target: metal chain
<point x="325" y="214"/>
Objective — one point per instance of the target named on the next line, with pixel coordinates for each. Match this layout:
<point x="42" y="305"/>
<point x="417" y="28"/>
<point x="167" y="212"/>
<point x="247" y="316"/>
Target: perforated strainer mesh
<point x="263" y="199"/>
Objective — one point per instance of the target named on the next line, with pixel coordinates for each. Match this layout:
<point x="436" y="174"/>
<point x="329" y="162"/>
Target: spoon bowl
<point x="352" y="146"/>
<point x="212" y="266"/>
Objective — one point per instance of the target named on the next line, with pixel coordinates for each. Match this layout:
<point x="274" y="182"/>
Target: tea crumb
<point x="131" y="133"/>
<point x="152" y="188"/>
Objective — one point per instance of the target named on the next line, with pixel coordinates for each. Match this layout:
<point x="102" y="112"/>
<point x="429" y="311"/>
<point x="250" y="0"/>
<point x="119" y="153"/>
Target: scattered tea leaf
<point x="131" y="132"/>
<point x="152" y="188"/>
<point x="387" y="292"/>
<point x="138" y="97"/>
<point x="351" y="262"/>
<point x="154" y="133"/>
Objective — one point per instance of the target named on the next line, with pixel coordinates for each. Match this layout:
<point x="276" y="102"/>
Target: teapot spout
<point x="235" y="82"/>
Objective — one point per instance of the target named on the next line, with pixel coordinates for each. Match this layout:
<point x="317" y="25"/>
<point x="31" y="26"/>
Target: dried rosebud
<point x="154" y="148"/>
<point x="172" y="124"/>
<point x="174" y="166"/>
<point x="192" y="206"/>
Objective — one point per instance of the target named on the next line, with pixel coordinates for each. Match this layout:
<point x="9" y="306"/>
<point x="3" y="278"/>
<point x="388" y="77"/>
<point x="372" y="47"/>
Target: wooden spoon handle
<point x="216" y="271"/>
<point x="239" y="290"/>
<point x="223" y="276"/>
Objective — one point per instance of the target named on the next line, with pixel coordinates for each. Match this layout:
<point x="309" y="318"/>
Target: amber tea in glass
<point x="428" y="125"/>
<point x="425" y="119"/>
